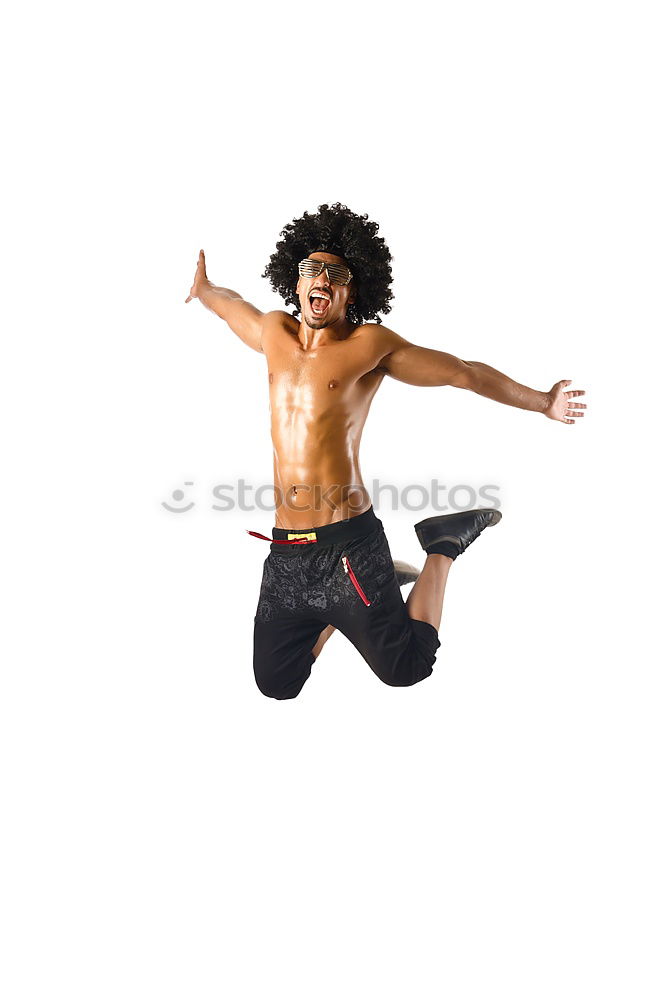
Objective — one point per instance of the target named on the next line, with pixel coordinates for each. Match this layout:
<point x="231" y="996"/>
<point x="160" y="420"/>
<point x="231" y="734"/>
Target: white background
<point x="169" y="832"/>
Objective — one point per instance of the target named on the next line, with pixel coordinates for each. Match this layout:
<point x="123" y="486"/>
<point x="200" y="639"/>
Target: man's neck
<point x="309" y="338"/>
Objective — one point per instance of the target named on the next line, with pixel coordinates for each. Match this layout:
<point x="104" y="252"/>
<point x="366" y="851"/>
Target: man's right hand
<point x="242" y="318"/>
<point x="200" y="280"/>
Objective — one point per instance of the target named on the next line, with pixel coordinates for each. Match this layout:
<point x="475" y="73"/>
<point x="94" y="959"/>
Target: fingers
<point x="572" y="410"/>
<point x="200" y="269"/>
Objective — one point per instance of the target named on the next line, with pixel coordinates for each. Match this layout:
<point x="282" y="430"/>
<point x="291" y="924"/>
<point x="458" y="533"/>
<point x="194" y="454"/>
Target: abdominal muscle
<point x="320" y="483"/>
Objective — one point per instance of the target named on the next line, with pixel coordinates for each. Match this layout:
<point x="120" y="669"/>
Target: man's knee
<point x="409" y="664"/>
<point x="277" y="683"/>
<point x="271" y="690"/>
<point x="404" y="674"/>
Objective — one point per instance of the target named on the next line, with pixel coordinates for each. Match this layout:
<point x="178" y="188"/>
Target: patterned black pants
<point x="342" y="576"/>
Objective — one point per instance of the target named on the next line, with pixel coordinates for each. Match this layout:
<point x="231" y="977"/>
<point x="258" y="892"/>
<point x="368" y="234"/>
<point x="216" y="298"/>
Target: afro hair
<point x="339" y="231"/>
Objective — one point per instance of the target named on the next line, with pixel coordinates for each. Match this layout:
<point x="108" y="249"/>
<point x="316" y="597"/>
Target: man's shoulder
<point x="278" y="322"/>
<point x="380" y="341"/>
<point x="279" y="317"/>
<point x="377" y="331"/>
<point x="381" y="337"/>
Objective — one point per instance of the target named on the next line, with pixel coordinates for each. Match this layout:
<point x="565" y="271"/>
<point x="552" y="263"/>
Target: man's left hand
<point x="560" y="405"/>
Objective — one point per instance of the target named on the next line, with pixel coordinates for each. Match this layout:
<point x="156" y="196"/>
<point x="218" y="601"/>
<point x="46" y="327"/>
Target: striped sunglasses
<point x="338" y="273"/>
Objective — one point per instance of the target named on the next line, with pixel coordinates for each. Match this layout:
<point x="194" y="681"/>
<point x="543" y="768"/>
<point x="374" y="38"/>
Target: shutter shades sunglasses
<point x="338" y="273"/>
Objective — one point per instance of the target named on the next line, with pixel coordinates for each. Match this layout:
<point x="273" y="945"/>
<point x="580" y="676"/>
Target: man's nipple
<point x="333" y="384"/>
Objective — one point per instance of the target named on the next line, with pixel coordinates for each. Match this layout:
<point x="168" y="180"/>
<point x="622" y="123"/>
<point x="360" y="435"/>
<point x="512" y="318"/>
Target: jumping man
<point x="329" y="564"/>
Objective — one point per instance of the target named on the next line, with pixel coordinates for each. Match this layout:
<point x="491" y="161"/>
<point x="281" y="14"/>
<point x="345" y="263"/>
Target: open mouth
<point x="320" y="303"/>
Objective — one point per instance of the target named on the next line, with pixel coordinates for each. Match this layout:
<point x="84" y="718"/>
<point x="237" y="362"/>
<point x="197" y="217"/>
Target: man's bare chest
<point x="336" y="370"/>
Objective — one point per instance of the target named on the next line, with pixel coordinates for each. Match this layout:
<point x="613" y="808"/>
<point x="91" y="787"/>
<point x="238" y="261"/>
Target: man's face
<point x="317" y="311"/>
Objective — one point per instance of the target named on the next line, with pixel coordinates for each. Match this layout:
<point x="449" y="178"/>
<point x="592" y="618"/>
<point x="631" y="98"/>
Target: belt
<point x="301" y="539"/>
<point x="326" y="534"/>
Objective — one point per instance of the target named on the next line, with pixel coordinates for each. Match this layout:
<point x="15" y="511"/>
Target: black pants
<point x="343" y="576"/>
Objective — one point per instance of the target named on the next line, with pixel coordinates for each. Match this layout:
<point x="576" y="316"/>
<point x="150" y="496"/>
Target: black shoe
<point x="405" y="573"/>
<point x="459" y="529"/>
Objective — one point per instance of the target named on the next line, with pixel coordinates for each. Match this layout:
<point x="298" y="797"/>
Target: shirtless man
<point x="329" y="564"/>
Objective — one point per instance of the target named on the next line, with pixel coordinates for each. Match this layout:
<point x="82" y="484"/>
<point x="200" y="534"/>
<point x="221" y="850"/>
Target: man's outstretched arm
<point x="242" y="317"/>
<point x="426" y="367"/>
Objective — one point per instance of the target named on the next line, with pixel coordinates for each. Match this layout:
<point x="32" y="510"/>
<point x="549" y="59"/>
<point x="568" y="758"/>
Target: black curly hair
<point x="353" y="237"/>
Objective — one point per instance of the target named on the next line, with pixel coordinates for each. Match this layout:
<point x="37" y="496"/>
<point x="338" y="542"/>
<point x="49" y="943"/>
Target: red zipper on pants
<point x="359" y="589"/>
